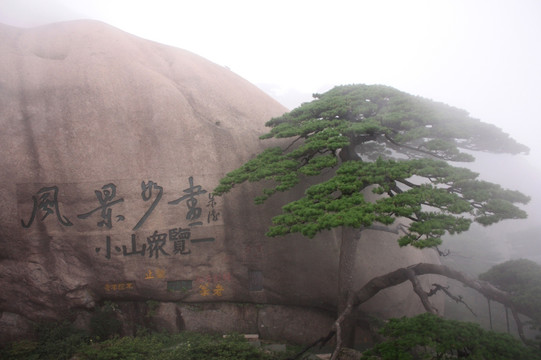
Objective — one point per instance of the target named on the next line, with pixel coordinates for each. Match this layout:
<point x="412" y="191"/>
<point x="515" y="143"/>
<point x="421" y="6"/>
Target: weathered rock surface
<point x="110" y="148"/>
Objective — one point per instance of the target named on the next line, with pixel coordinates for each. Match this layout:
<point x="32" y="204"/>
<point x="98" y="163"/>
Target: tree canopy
<point x="379" y="138"/>
<point x="521" y="278"/>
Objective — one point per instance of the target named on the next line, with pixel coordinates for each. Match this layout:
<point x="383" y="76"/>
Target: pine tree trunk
<point x="346" y="268"/>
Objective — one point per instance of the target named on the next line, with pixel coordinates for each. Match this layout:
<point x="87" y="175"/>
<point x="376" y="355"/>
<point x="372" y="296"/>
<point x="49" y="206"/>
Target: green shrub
<point x="521" y="278"/>
<point x="152" y="307"/>
<point x="104" y="324"/>
<point x="132" y="348"/>
<point x="204" y="347"/>
<point x="61" y="341"/>
<point x="428" y="336"/>
<point x="53" y="340"/>
<point x="185" y="346"/>
<point x="25" y="349"/>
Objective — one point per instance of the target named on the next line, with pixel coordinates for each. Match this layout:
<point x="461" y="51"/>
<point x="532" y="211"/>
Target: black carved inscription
<point x="146" y="194"/>
<point x="159" y="243"/>
<point x="194" y="212"/>
<point x="155" y="244"/>
<point x="134" y="250"/>
<point x="179" y="237"/>
<point x="106" y="198"/>
<point x="202" y="240"/>
<point x="213" y="214"/>
<point x="46" y="202"/>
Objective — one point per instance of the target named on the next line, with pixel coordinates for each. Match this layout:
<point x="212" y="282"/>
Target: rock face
<point x="111" y="146"/>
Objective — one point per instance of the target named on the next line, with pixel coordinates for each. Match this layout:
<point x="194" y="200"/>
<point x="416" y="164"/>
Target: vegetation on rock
<point x="64" y="342"/>
<point x="379" y="139"/>
<point x="428" y="336"/>
<point x="396" y="144"/>
<point x="521" y="278"/>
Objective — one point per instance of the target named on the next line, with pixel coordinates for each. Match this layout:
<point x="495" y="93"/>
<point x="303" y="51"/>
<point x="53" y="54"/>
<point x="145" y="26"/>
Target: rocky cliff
<point x="110" y="148"/>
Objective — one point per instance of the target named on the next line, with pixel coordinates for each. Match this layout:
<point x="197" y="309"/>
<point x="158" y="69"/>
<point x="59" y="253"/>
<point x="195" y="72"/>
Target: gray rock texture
<point x="110" y="148"/>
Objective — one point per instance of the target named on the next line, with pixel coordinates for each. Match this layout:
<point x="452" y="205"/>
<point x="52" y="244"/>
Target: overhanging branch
<point x="401" y="275"/>
<point x="396" y="277"/>
<point x="420" y="292"/>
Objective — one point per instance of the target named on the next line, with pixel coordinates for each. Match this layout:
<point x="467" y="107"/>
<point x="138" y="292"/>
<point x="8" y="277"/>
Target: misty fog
<point x="480" y="56"/>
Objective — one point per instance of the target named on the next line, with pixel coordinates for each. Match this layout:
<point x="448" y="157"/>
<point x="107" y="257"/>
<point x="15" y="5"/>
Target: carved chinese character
<point x="146" y="194"/>
<point x="218" y="290"/>
<point x="155" y="244"/>
<point x="204" y="290"/>
<point x="134" y="250"/>
<point x="180" y="236"/>
<point x="149" y="275"/>
<point x="105" y="197"/>
<point x="194" y="212"/>
<point x="46" y="201"/>
<point x="160" y="273"/>
<point x="213" y="214"/>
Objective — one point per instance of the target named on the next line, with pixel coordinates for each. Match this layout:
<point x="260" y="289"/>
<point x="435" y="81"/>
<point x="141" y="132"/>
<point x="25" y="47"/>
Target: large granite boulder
<point x="110" y="148"/>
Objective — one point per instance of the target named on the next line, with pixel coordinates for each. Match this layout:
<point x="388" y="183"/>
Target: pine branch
<point x="457" y="299"/>
<point x="426" y="152"/>
<point x="420" y="292"/>
<point x="293" y="142"/>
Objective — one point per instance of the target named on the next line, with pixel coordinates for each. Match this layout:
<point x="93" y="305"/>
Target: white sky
<point x="480" y="55"/>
